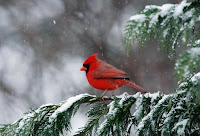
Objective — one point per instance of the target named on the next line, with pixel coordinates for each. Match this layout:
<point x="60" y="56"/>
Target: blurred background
<point x="43" y="44"/>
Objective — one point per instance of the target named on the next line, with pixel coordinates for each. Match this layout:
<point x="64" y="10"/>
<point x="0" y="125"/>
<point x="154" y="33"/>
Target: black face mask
<point x="86" y="66"/>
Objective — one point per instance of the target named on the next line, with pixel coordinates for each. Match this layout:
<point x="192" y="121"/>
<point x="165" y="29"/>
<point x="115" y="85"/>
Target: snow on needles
<point x="26" y="118"/>
<point x="138" y="106"/>
<point x="138" y="18"/>
<point x="113" y="110"/>
<point x="123" y="97"/>
<point x="180" y="126"/>
<point x="194" y="51"/>
<point x="66" y="105"/>
<point x="197" y="41"/>
<point x="149" y="115"/>
<point x="196" y="77"/>
<point x="165" y="10"/>
<point x="153" y="96"/>
<point x="179" y="8"/>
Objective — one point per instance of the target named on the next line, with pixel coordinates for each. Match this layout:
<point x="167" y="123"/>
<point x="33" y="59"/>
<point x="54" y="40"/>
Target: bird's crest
<point x="91" y="59"/>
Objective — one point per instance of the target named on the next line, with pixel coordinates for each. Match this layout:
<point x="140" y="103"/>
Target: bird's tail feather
<point x="136" y="86"/>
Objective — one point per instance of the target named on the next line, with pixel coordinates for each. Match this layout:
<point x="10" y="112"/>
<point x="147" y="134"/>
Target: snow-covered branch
<point x="169" y="23"/>
<point x="155" y="114"/>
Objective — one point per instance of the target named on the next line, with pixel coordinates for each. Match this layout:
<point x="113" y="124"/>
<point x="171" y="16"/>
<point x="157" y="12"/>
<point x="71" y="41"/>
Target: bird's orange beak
<point x="83" y="69"/>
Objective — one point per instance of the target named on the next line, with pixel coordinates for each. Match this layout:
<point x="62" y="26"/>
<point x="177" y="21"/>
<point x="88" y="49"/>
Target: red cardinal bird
<point x="105" y="77"/>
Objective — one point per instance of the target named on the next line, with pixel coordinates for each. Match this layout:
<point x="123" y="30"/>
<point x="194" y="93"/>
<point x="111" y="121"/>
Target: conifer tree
<point x="155" y="113"/>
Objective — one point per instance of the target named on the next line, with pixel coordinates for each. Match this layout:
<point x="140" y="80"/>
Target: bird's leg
<point x="103" y="94"/>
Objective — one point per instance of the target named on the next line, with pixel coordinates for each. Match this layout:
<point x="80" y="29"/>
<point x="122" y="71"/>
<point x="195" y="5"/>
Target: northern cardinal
<point x="106" y="77"/>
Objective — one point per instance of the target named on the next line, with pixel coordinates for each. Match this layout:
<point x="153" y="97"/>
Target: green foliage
<point x="46" y="120"/>
<point x="176" y="114"/>
<point x="169" y="23"/>
<point x="188" y="63"/>
<point x="118" y="118"/>
<point x="95" y="113"/>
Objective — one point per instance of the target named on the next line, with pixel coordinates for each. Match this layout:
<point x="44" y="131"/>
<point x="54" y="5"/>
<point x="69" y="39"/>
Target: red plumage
<point x="103" y="76"/>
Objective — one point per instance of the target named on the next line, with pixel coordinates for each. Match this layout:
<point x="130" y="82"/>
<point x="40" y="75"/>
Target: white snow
<point x="183" y="84"/>
<point x="164" y="10"/>
<point x="141" y="124"/>
<point x="197" y="41"/>
<point x="123" y="97"/>
<point x="195" y="77"/>
<point x="168" y="116"/>
<point x="194" y="51"/>
<point x="25" y="118"/>
<point x="138" y="103"/>
<point x="125" y="94"/>
<point x="165" y="32"/>
<point x="176" y="9"/>
<point x="149" y="115"/>
<point x="179" y="107"/>
<point x="112" y="111"/>
<point x="179" y="8"/>
<point x="101" y="126"/>
<point x="189" y="14"/>
<point x="180" y="130"/>
<point x="153" y="96"/>
<point x="138" y="18"/>
<point x="21" y="124"/>
<point x="138" y="94"/>
<point x="150" y="7"/>
<point x="67" y="104"/>
<point x="138" y="106"/>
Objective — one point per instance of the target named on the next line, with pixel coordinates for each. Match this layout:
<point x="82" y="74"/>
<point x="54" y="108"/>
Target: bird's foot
<point x="102" y="98"/>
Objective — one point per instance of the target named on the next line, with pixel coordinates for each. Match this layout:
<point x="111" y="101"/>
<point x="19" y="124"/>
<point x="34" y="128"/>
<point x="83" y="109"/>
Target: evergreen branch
<point x="118" y="117"/>
<point x="48" y="119"/>
<point x="180" y="126"/>
<point x="148" y="121"/>
<point x="95" y="113"/>
<point x="169" y="23"/>
<point x="173" y="114"/>
<point x="98" y="99"/>
<point x="177" y="108"/>
<point x="188" y="63"/>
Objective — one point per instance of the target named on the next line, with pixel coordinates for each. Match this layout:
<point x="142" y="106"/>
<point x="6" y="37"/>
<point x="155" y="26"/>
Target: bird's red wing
<point x="108" y="71"/>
